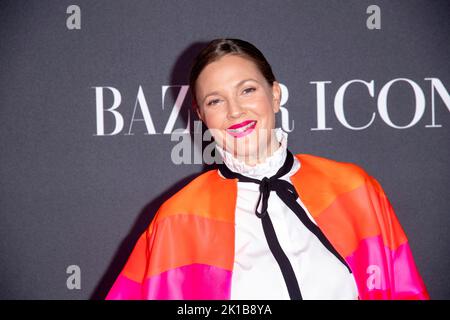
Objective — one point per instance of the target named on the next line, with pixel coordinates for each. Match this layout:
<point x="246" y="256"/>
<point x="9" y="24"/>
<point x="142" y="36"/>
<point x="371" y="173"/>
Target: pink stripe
<point x="382" y="273"/>
<point x="124" y="289"/>
<point x="192" y="282"/>
<point x="407" y="278"/>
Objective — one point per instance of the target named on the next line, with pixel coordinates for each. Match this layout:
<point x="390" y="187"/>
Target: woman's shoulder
<point x="196" y="197"/>
<point x="330" y="169"/>
<point x="322" y="180"/>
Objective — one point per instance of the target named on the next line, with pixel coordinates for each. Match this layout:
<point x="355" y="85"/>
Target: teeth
<point x="242" y="129"/>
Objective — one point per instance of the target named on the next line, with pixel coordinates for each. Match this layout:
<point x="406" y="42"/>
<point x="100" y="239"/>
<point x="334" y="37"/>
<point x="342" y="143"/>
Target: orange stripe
<point x="209" y="196"/>
<point x="135" y="267"/>
<point x="323" y="179"/>
<point x="183" y="239"/>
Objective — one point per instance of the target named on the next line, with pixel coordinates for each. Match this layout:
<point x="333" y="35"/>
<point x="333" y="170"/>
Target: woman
<point x="266" y="224"/>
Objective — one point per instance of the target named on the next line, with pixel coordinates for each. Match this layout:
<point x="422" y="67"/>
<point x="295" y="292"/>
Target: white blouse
<point x="256" y="274"/>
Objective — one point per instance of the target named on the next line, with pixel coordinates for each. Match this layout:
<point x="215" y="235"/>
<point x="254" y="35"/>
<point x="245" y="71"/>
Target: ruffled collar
<point x="267" y="168"/>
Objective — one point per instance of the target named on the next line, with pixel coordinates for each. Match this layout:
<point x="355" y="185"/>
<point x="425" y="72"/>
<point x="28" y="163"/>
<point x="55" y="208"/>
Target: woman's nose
<point x="235" y="110"/>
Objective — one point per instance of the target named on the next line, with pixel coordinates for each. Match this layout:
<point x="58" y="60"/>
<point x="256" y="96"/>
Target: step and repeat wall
<point x="97" y="132"/>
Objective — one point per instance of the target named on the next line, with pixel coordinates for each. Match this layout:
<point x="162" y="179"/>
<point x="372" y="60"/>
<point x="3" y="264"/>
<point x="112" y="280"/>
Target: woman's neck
<point x="262" y="155"/>
<point x="262" y="166"/>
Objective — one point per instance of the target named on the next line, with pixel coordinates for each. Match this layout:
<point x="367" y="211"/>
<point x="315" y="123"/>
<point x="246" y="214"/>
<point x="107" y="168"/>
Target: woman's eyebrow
<point x="236" y="85"/>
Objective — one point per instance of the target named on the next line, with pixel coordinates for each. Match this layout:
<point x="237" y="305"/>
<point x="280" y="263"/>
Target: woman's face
<point x="238" y="106"/>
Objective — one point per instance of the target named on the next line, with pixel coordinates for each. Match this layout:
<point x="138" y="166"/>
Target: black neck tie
<point x="288" y="195"/>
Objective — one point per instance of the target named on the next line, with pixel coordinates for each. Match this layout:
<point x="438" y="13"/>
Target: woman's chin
<point x="250" y="157"/>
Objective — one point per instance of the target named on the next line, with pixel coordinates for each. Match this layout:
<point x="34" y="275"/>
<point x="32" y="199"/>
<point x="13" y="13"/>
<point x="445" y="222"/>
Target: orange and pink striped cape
<point x="187" y="252"/>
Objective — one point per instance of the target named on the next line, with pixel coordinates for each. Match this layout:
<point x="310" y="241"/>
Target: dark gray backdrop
<point x="69" y="196"/>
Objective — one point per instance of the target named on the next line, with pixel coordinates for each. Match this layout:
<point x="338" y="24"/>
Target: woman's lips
<point x="241" y="124"/>
<point x="242" y="129"/>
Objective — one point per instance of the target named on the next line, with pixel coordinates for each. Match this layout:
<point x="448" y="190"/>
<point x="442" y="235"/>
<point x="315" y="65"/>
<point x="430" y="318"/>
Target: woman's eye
<point x="249" y="90"/>
<point x="212" y="102"/>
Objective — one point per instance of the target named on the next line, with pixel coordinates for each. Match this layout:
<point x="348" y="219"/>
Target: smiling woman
<point x="266" y="224"/>
<point x="238" y="104"/>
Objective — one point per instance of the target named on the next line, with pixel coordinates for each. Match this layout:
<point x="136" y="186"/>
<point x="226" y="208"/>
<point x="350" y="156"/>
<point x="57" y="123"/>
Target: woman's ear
<point x="276" y="93"/>
<point x="197" y="110"/>
<point x="199" y="114"/>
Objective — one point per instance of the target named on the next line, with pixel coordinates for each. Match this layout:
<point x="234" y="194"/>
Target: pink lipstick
<point x="242" y="129"/>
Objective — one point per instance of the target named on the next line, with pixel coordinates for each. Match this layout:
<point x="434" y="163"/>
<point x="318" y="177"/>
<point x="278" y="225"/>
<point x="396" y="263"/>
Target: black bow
<point x="287" y="193"/>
